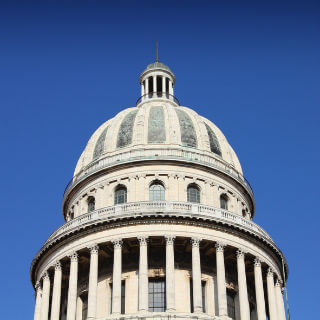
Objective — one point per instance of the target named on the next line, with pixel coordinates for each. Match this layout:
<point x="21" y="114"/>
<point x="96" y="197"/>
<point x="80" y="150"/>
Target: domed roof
<point x="157" y="65"/>
<point x="160" y="128"/>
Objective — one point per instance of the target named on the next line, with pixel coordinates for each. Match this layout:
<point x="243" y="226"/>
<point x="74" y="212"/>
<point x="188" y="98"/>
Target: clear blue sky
<point x="253" y="68"/>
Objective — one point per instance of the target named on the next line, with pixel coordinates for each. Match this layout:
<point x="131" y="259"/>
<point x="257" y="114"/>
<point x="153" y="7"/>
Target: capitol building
<point x="159" y="224"/>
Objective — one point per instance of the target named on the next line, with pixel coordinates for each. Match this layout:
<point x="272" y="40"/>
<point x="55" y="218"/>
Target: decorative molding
<point x="270" y="272"/>
<point x="45" y="276"/>
<point x="240" y="254"/>
<point x="257" y="262"/>
<point x="57" y="266"/>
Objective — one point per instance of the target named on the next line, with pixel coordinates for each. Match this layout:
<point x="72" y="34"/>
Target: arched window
<point x="120" y="195"/>
<point x="156" y="191"/>
<point x="224" y="202"/>
<point x="193" y="193"/>
<point x="91" y="204"/>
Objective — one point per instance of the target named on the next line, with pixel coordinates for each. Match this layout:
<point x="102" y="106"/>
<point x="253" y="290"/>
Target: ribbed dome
<point x="157" y="65"/>
<point x="158" y="125"/>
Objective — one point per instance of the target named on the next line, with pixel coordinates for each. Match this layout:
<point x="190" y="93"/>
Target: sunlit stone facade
<point x="158" y="224"/>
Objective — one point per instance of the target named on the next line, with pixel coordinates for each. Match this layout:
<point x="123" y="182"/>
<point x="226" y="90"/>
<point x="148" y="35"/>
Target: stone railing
<point x="160" y="208"/>
<point x="141" y="154"/>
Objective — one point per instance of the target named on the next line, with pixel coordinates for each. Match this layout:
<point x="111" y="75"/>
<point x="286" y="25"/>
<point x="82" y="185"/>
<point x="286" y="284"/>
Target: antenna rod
<point x="157" y="57"/>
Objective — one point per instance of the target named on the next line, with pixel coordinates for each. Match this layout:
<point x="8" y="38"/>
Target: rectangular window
<point x="157" y="295"/>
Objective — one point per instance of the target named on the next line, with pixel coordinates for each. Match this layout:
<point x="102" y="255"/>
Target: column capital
<point x="257" y="262"/>
<point x="45" y="276"/>
<point x="38" y="286"/>
<point x="220" y="246"/>
<point x="240" y="254"/>
<point x="143" y="240"/>
<point x="278" y="283"/>
<point x="73" y="256"/>
<point x="117" y="243"/>
<point x="93" y="248"/>
<point x="57" y="266"/>
<point x="169" y="239"/>
<point x="195" y="242"/>
<point x="270" y="272"/>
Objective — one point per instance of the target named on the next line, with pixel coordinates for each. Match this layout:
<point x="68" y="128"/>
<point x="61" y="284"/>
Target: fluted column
<point x="116" y="279"/>
<point x="37" y="308"/>
<point x="242" y="285"/>
<point x="196" y="275"/>
<point x="143" y="274"/>
<point x="93" y="281"/>
<point x="170" y="280"/>
<point x="56" y="293"/>
<point x="279" y="299"/>
<point x="73" y="287"/>
<point x="271" y="296"/>
<point x="261" y="306"/>
<point x="221" y="280"/>
<point x="44" y="313"/>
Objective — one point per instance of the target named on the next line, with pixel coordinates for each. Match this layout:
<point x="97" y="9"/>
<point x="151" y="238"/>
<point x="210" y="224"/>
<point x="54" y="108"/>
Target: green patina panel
<point x="156" y="126"/>
<point x="126" y="130"/>
<point x="188" y="133"/>
<point x="99" y="148"/>
<point x="214" y="143"/>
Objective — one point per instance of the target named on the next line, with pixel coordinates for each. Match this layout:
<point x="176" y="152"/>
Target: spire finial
<point x="157" y="57"/>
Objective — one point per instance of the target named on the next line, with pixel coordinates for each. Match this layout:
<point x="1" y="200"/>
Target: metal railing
<point x="159" y="153"/>
<point x="158" y="95"/>
<point x="158" y="208"/>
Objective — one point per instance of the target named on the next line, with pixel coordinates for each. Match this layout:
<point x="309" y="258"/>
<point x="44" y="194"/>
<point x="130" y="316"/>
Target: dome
<point x="157" y="65"/>
<point x="158" y="126"/>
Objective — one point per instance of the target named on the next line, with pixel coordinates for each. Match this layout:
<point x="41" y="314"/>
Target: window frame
<point x="117" y="197"/>
<point x="152" y="193"/>
<point x="197" y="195"/>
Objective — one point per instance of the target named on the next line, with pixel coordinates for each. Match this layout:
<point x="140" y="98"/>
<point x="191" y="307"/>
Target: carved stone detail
<point x="257" y="262"/>
<point x="57" y="266"/>
<point x="169" y="239"/>
<point x="117" y="243"/>
<point x="73" y="256"/>
<point x="220" y="246"/>
<point x="195" y="242"/>
<point x="143" y="240"/>
<point x="94" y="248"/>
<point x="240" y="254"/>
<point x="270" y="272"/>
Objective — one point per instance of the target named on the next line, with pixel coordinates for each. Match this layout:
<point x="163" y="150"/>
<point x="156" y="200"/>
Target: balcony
<point x="152" y="209"/>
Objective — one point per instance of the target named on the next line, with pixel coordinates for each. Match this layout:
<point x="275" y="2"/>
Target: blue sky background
<point x="253" y="68"/>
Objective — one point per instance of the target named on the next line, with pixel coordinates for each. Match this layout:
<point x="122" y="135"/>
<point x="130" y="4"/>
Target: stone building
<point x="158" y="224"/>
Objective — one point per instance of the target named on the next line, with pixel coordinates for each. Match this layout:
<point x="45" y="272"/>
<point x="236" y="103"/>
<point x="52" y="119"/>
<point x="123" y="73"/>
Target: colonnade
<point x="145" y="85"/>
<point x="274" y="294"/>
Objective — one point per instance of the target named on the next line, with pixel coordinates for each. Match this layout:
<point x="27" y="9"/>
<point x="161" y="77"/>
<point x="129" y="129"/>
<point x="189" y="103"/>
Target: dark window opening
<point x="224" y="202"/>
<point x="157" y="295"/>
<point x="150" y="85"/>
<point x="193" y="193"/>
<point x="167" y="86"/>
<point x="120" y="195"/>
<point x="156" y="191"/>
<point x="91" y="204"/>
<point x="159" y="86"/>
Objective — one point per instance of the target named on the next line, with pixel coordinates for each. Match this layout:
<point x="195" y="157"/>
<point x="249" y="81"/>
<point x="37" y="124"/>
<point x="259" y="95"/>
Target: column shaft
<point x="37" y="308"/>
<point x="154" y="84"/>
<point x="280" y="303"/>
<point x="116" y="284"/>
<point x="143" y="274"/>
<point x="170" y="279"/>
<point x="56" y="294"/>
<point x="93" y="282"/>
<point x="271" y="296"/>
<point x="73" y="287"/>
<point x="260" y="303"/>
<point x="170" y="87"/>
<point x="242" y="285"/>
<point x="196" y="275"/>
<point x="147" y="86"/>
<point x="44" y="313"/>
<point x="221" y="281"/>
<point x="163" y="84"/>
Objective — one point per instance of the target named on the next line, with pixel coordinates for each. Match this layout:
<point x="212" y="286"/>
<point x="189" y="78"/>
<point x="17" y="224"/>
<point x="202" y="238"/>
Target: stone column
<point x="44" y="311"/>
<point x="37" y="308"/>
<point x="196" y="275"/>
<point x="154" y="84"/>
<point x="170" y="280"/>
<point x="242" y="285"/>
<point x="147" y="86"/>
<point x="260" y="303"/>
<point x="221" y="280"/>
<point x="143" y="275"/>
<point x="163" y="84"/>
<point x="142" y="89"/>
<point x="279" y="299"/>
<point x="73" y="287"/>
<point x="170" y="87"/>
<point x="56" y="293"/>
<point x="271" y="296"/>
<point x="93" y="282"/>
<point x="116" y="278"/>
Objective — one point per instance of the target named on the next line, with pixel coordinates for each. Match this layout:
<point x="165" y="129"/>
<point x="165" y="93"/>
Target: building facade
<point x="158" y="224"/>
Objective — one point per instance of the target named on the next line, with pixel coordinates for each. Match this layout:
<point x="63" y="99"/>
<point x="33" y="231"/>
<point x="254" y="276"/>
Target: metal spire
<point x="157" y="57"/>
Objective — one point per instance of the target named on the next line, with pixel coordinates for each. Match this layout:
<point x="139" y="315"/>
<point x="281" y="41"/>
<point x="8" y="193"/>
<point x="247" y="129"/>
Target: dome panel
<point x="99" y="148"/>
<point x="126" y="130"/>
<point x="156" y="125"/>
<point x="214" y="143"/>
<point x="188" y="133"/>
